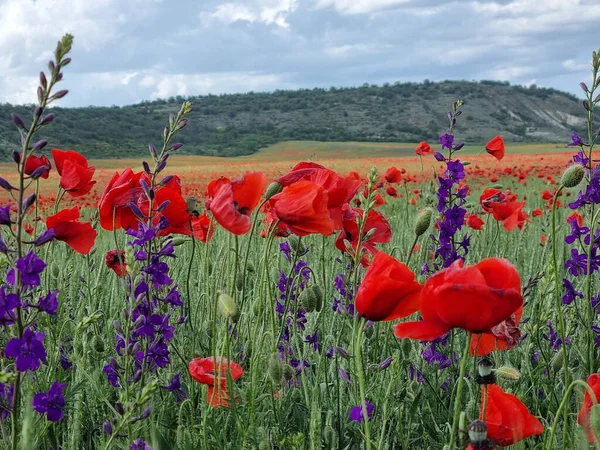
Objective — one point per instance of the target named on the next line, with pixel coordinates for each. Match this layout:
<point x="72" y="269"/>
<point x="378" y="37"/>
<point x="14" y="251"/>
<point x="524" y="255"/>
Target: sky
<point x="127" y="51"/>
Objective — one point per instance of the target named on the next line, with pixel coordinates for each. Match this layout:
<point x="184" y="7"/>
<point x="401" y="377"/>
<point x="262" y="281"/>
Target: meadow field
<point x="310" y="296"/>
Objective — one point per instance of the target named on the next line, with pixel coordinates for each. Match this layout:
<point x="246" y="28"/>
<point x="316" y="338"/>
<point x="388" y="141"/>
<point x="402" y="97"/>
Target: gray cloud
<point x="128" y="51"/>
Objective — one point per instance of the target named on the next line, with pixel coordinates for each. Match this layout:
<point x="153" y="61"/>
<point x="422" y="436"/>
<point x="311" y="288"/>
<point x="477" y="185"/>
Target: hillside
<point x="240" y="124"/>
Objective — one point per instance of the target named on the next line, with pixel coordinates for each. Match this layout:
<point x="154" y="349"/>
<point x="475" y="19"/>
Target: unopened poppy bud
<point x="595" y="421"/>
<point x="288" y="372"/>
<point x="572" y="176"/>
<point x="178" y="241"/>
<point x="423" y="221"/>
<point x="296" y="245"/>
<point x="477" y="431"/>
<point x="227" y="306"/>
<point x="190" y="204"/>
<point x="17" y="121"/>
<point x="275" y="368"/>
<point x="508" y="373"/>
<point x="557" y="360"/>
<point x="239" y="282"/>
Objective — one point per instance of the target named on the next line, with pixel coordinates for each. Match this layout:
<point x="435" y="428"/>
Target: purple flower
<point x="313" y="339"/>
<point x="8" y="302"/>
<point x="44" y="238"/>
<point x="5" y="215"/>
<point x="570" y="293"/>
<point x="580" y="158"/>
<point x="29" y="352"/>
<point x="434" y="357"/>
<point x="455" y="170"/>
<point x="577" y="265"/>
<point x="112" y="371"/>
<point x="51" y="403"/>
<point x="49" y="303"/>
<point x="384" y="364"/>
<point x="175" y="387"/>
<point x="415" y="374"/>
<point x="140" y="444"/>
<point x="344" y="376"/>
<point x="6" y="400"/>
<point x="447" y="140"/>
<point x="575" y="140"/>
<point x="356" y="413"/>
<point x="555" y="342"/>
<point x="29" y="268"/>
<point x="285" y="248"/>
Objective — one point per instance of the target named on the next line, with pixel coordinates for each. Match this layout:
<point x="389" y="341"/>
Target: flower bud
<point x="40" y="94"/>
<point x="152" y="149"/>
<point x="37" y="112"/>
<point x="175" y="147"/>
<point x="583" y="87"/>
<point x="60" y="94"/>
<point x="6" y="185"/>
<point x="107" y="427"/>
<point x="17" y="121"/>
<point x="423" y="221"/>
<point x="43" y="80"/>
<point x="296" y="245"/>
<point x="29" y="201"/>
<point x="40" y="144"/>
<point x="38" y="172"/>
<point x="586" y="105"/>
<point x="272" y="189"/>
<point x="508" y="373"/>
<point x="47" y="119"/>
<point x="288" y="372"/>
<point x="16" y="156"/>
<point x="146" y="167"/>
<point x="275" y="368"/>
<point x="178" y="241"/>
<point x="477" y="431"/>
<point x="572" y="176"/>
<point x="558" y="359"/>
<point x="228" y="306"/>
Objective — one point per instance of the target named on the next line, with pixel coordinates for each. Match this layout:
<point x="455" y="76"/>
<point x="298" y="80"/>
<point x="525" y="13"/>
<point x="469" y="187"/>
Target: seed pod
<point x="288" y="372"/>
<point x="273" y="189"/>
<point x="508" y="373"/>
<point x="423" y="221"/>
<point x="191" y="204"/>
<point x="572" y="176"/>
<point x="275" y="368"/>
<point x="557" y="360"/>
<point x="477" y="431"/>
<point x="250" y="267"/>
<point x="227" y="306"/>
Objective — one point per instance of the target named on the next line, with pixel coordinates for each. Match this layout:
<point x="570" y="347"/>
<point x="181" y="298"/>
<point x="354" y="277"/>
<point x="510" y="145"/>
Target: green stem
<point x="361" y="380"/>
<point x="459" y="390"/>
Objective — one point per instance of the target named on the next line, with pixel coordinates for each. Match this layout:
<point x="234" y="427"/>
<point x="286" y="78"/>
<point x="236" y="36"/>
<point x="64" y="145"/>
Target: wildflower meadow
<point x="445" y="301"/>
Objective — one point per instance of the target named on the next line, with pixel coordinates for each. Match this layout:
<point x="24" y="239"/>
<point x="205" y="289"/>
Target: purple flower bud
<point x="161" y="166"/>
<point x="137" y="376"/>
<point x="46" y="120"/>
<point x="166" y="179"/>
<point x="40" y="144"/>
<point x="146" y="167"/>
<point x="60" y="94"/>
<point x="44" y="238"/>
<point x="38" y="172"/>
<point x="43" y="80"/>
<point x="37" y="112"/>
<point x="163" y="206"/>
<point x="119" y="408"/>
<point x="385" y="363"/>
<point x="137" y="211"/>
<point x="28" y="202"/>
<point x="583" y="86"/>
<point x="107" y="427"/>
<point x="344" y="376"/>
<point x="152" y="149"/>
<point x="146" y="413"/>
<point x="459" y="146"/>
<point x="59" y="77"/>
<point x="40" y="94"/>
<point x="65" y="62"/>
<point x="586" y="105"/>
<point x="51" y="66"/>
<point x="343" y="353"/>
<point x="117" y="327"/>
<point x="16" y="156"/>
<point x="17" y="120"/>
<point x="438" y="156"/>
<point x="171" y="118"/>
<point x="597" y="99"/>
<point x="147" y="190"/>
<point x="182" y="124"/>
<point x="6" y="185"/>
<point x="175" y="147"/>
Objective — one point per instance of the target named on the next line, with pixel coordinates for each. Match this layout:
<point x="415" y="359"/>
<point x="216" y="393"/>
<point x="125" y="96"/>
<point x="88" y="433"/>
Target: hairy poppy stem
<point x="361" y="380"/>
<point x="459" y="390"/>
<point x="562" y="405"/>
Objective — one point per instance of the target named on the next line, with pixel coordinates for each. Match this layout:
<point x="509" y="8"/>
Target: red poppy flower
<point x="474" y="222"/>
<point x="393" y="175"/>
<point x="202" y="228"/>
<point x="115" y="261"/>
<point x="537" y="212"/>
<point x="80" y="236"/>
<point x="504" y="336"/>
<point x="232" y="201"/>
<point x="340" y="190"/>
<point x="34" y="162"/>
<point x="547" y="195"/>
<point x="377" y="230"/>
<point x="391" y="191"/>
<point x="121" y="190"/>
<point x="576" y="216"/>
<point x="29" y="229"/>
<point x="213" y="372"/>
<point x="508" y="420"/>
<point x="504" y="208"/>
<point x="75" y="174"/>
<point x="302" y="208"/>
<point x="424" y="149"/>
<point x="583" y="418"/>
<point x="496" y="148"/>
<point x="175" y="212"/>
<point x="388" y="290"/>
<point x="474" y="298"/>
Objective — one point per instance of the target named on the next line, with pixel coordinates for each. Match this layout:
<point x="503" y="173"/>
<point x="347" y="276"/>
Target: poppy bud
<point x="477" y="431"/>
<point x="312" y="298"/>
<point x="572" y="176"/>
<point x="190" y="204"/>
<point x="250" y="267"/>
<point x="228" y="307"/>
<point x="423" y="221"/>
<point x="239" y="282"/>
<point x="184" y="438"/>
<point x="508" y="373"/>
<point x="275" y="368"/>
<point x="330" y="437"/>
<point x="288" y="372"/>
<point x="273" y="189"/>
<point x="296" y="245"/>
<point x="178" y="241"/>
<point x="557" y="360"/>
<point x="595" y="420"/>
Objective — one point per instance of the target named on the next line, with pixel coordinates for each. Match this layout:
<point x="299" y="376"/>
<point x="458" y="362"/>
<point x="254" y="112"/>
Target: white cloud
<point x="265" y="11"/>
<point x="574" y="66"/>
<point x="359" y="6"/>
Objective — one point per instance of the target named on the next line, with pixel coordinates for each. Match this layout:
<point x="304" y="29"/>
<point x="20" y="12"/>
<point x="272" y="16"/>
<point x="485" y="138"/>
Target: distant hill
<point x="240" y="124"/>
